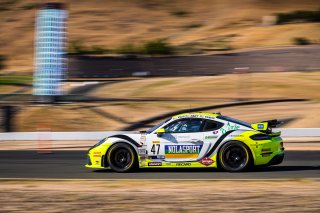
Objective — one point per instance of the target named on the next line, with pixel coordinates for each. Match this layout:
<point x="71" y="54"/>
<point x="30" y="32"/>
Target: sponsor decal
<point x="182" y="151"/>
<point x="235" y="136"/>
<point x="96" y="154"/>
<point x="143" y="139"/>
<point x="141" y="151"/>
<point x="260" y="126"/>
<point x="209" y="117"/>
<point x="154" y="164"/>
<point x="181" y="137"/>
<point x="183" y="164"/>
<point x="196" y="116"/>
<point x="156" y="142"/>
<point x="229" y="127"/>
<point x="210" y="137"/>
<point x="206" y="161"/>
<point x="157" y="157"/>
<point x="168" y="164"/>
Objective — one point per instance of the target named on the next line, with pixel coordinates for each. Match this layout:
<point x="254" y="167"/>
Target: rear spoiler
<point x="273" y="123"/>
<point x="265" y="126"/>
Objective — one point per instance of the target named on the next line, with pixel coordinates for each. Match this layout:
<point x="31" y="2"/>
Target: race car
<point x="191" y="140"/>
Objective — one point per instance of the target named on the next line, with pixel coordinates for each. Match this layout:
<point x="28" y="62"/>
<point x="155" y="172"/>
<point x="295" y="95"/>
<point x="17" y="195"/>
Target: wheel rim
<point x="235" y="157"/>
<point x="121" y="158"/>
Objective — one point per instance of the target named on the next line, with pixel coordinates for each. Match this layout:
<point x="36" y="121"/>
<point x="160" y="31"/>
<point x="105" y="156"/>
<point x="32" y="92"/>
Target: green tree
<point x="158" y="47"/>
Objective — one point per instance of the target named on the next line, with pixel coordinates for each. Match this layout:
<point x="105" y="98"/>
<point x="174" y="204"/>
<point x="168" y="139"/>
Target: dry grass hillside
<point x="194" y="26"/>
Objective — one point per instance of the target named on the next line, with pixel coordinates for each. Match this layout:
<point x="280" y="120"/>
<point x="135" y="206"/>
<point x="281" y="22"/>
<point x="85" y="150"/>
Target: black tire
<point x="121" y="157"/>
<point x="234" y="156"/>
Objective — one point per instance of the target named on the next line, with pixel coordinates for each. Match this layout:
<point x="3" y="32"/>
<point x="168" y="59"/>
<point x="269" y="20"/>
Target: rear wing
<point x="266" y="126"/>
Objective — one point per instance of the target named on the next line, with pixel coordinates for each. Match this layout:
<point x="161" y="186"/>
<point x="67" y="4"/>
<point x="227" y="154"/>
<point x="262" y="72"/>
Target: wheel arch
<point x="135" y="148"/>
<point x="252" y="153"/>
<point x="244" y="137"/>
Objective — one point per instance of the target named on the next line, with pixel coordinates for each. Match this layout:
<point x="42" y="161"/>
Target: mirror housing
<point x="160" y="132"/>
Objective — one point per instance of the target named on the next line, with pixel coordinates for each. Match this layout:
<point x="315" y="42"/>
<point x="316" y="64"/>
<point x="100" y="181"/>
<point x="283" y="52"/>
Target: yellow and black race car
<point x="191" y="140"/>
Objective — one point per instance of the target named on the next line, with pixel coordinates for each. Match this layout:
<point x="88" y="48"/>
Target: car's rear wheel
<point x="121" y="157"/>
<point x="234" y="156"/>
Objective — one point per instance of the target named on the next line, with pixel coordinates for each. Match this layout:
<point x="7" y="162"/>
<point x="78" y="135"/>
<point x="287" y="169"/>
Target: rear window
<point x="212" y="125"/>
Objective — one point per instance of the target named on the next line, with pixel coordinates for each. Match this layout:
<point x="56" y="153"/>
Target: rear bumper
<point x="268" y="152"/>
<point x="277" y="159"/>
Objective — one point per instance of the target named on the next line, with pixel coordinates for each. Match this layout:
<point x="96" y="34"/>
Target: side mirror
<point x="160" y="132"/>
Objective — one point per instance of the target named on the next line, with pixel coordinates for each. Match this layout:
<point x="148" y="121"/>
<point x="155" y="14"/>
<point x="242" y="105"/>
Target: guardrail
<point x="68" y="136"/>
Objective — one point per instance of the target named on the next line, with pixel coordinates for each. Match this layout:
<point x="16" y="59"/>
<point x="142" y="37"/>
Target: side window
<point x="184" y="126"/>
<point x="212" y="125"/>
<point x="174" y="126"/>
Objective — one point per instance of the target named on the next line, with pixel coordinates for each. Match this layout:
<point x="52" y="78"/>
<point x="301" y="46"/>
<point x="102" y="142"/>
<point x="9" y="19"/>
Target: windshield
<point x="226" y="118"/>
<point x="157" y="126"/>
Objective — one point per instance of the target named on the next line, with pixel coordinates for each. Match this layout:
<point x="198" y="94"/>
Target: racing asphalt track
<point x="69" y="165"/>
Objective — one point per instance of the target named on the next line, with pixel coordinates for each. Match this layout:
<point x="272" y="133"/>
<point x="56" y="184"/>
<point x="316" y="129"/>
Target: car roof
<point x="197" y="115"/>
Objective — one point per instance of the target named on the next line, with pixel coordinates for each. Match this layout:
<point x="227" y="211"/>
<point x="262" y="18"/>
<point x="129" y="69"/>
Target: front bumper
<point x="96" y="156"/>
<point x="88" y="162"/>
<point x="94" y="163"/>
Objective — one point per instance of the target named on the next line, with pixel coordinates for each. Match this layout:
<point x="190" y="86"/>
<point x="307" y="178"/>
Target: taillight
<point x="260" y="137"/>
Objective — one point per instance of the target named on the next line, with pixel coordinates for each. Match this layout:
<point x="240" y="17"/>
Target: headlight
<point x="98" y="144"/>
<point x="260" y="137"/>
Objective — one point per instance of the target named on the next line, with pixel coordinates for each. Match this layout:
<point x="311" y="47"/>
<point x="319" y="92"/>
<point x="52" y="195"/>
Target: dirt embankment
<point x="160" y="196"/>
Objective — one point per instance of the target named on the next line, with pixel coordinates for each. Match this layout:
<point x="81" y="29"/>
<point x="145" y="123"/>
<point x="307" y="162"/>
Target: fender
<point x="119" y="139"/>
<point x="124" y="139"/>
<point x="244" y="137"/>
<point x="127" y="138"/>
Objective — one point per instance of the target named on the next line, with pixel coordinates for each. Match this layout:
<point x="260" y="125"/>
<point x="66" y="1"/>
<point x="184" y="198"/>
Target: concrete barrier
<point x="65" y="136"/>
<point x="299" y="132"/>
<point x="56" y="136"/>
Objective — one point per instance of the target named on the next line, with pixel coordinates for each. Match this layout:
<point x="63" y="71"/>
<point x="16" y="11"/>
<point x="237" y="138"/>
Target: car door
<point x="182" y="141"/>
<point x="211" y="133"/>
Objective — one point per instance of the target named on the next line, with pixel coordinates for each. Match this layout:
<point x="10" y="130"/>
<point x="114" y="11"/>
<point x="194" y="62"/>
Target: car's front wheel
<point x="121" y="157"/>
<point x="234" y="156"/>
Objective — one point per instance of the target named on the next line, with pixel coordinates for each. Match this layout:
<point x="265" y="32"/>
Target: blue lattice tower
<point x="50" y="50"/>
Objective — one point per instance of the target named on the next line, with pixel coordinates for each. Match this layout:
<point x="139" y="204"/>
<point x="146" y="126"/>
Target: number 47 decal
<point x="155" y="150"/>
